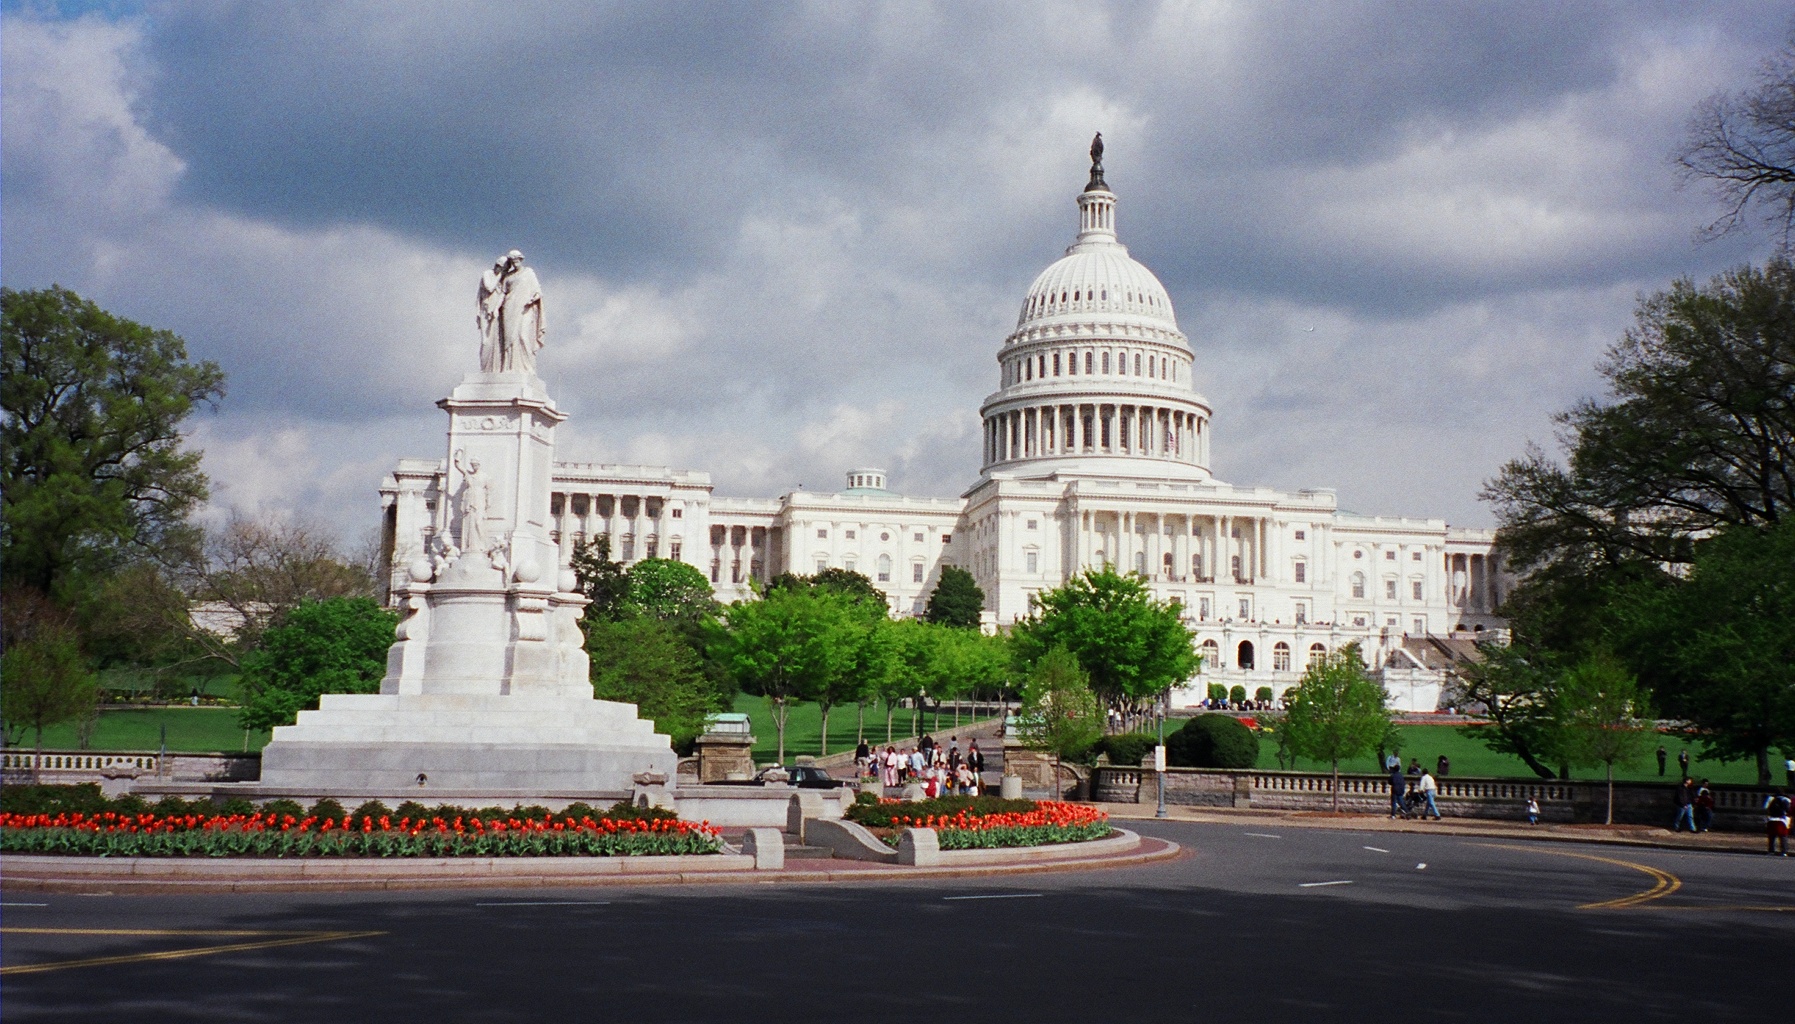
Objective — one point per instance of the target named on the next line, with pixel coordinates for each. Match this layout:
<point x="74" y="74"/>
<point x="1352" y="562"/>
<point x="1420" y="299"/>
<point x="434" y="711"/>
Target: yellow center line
<point x="286" y="938"/>
<point x="1665" y="883"/>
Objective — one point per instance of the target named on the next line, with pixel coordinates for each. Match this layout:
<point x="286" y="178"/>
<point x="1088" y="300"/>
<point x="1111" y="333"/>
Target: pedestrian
<point x="1685" y="806"/>
<point x="927" y="745"/>
<point x="1532" y="811"/>
<point x="1789" y="770"/>
<point x="919" y="762"/>
<point x="1444" y="767"/>
<point x="1428" y="788"/>
<point x="1661" y="757"/>
<point x="1415" y="766"/>
<point x="863" y="755"/>
<point x="1776" y="822"/>
<point x="967" y="781"/>
<point x="1398" y="786"/>
<point x="975" y="758"/>
<point x="1683" y="761"/>
<point x="953" y="754"/>
<point x="1704" y="806"/>
<point x="888" y="774"/>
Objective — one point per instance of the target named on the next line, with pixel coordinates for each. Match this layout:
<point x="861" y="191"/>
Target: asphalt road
<point x="1256" y="924"/>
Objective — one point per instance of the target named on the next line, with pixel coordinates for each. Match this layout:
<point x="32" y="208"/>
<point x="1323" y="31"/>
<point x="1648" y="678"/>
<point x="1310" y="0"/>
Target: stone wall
<point x="1737" y="808"/>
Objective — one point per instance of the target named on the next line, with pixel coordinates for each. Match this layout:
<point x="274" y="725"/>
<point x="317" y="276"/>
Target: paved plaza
<point x="1258" y="921"/>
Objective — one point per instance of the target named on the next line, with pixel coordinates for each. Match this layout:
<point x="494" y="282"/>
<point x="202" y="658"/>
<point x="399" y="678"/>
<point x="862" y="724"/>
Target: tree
<point x="604" y="582"/>
<point x="841" y="581"/>
<point x="92" y="466"/>
<point x="333" y="646"/>
<point x="1060" y="713"/>
<point x="1132" y="647"/>
<point x="787" y="647"/>
<point x="1742" y="146"/>
<point x="44" y="680"/>
<point x="646" y="662"/>
<point x="956" y="599"/>
<point x="1336" y="712"/>
<point x="1603" y="717"/>
<point x="1718" y="648"/>
<point x="1697" y="434"/>
<point x="670" y="591"/>
<point x="1518" y="688"/>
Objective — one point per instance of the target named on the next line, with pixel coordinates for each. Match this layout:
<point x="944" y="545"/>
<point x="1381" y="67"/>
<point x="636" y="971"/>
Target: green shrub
<point x="284" y="808"/>
<point x="864" y="797"/>
<point x="1218" y="692"/>
<point x="1262" y="694"/>
<point x="1213" y="741"/>
<point x="413" y="810"/>
<point x="1127" y="749"/>
<point x="879" y="815"/>
<point x="372" y="809"/>
<point x="623" y="810"/>
<point x="1237" y="693"/>
<point x="85" y="799"/>
<point x="533" y="812"/>
<point x="579" y="809"/>
<point x="173" y="806"/>
<point x="327" y="808"/>
<point x="236" y="805"/>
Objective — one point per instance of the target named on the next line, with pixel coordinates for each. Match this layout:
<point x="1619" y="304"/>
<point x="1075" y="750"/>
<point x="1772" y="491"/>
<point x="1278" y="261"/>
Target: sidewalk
<point x="1617" y="835"/>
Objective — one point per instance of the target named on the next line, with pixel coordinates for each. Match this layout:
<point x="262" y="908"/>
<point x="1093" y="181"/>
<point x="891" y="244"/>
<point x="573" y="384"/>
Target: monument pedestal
<point x="487" y="687"/>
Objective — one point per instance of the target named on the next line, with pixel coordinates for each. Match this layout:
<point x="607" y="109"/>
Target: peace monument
<point x="487" y="689"/>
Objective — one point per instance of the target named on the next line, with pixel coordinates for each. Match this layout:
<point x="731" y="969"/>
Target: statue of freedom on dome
<point x="1097" y="181"/>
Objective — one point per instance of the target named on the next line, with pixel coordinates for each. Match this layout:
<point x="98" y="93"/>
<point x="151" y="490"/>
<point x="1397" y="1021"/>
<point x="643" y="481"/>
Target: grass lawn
<point x="191" y="730"/>
<point x="1471" y="758"/>
<point x="803" y="730"/>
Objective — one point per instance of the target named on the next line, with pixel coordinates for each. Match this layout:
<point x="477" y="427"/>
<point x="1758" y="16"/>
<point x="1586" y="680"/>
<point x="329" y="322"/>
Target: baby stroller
<point x="1414" y="804"/>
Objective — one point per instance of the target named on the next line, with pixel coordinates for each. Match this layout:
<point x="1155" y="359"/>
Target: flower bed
<point x="111" y="833"/>
<point x="970" y="827"/>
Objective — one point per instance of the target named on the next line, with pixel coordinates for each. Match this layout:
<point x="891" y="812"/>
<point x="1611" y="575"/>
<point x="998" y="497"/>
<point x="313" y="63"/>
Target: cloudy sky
<point x="779" y="241"/>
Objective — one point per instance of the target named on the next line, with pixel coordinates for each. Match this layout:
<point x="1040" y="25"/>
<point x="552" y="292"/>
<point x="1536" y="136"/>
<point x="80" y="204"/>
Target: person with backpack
<point x="1398" y="786"/>
<point x="1776" y="822"/>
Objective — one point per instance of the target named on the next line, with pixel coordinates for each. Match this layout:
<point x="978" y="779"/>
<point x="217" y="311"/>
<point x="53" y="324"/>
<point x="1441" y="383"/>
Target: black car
<point x="805" y="776"/>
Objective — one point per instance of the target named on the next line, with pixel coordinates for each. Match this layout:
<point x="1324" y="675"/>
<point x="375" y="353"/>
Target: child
<point x="1532" y="811"/>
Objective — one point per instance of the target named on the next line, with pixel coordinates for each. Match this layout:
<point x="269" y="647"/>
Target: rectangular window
<point x="1302" y="571"/>
<point x="1299" y="535"/>
<point x="1246" y="609"/>
<point x="1391" y="622"/>
<point x="1420" y="625"/>
<point x="1389" y="556"/>
<point x="916" y="572"/>
<point x="1359" y="621"/>
<point x="822" y="535"/>
<point x="679" y="513"/>
<point x="917" y="537"/>
<point x="1416" y="557"/>
<point x="1034" y="562"/>
<point x="1417" y="586"/>
<point x="848" y="564"/>
<point x="673" y="549"/>
<point x="1034" y="524"/>
<point x="1390" y="589"/>
<point x="946" y="537"/>
<point x="1202" y="608"/>
<point x="850" y="534"/>
<point x="1302" y="613"/>
<point x="822" y="564"/>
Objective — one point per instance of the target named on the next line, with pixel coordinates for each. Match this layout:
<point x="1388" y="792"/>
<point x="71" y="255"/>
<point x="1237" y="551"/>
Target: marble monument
<point x="487" y="688"/>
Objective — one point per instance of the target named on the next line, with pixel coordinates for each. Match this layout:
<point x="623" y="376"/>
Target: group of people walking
<point x="939" y="770"/>
<point x="1413" y="793"/>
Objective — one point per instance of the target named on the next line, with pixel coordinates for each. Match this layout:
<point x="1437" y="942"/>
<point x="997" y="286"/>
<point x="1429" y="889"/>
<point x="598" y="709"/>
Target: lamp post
<point x="1159" y="755"/>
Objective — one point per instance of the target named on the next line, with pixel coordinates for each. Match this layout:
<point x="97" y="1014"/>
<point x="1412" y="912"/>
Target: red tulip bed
<point x="981" y="823"/>
<point x="111" y="833"/>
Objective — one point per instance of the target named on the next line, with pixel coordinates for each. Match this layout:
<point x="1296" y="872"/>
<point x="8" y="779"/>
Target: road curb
<point x="18" y="875"/>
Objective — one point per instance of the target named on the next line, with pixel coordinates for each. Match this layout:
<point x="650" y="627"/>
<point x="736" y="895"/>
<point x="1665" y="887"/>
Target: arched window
<point x="1168" y="562"/>
<point x="1358" y="584"/>
<point x="1140" y="562"/>
<point x="1234" y="565"/>
<point x="1280" y="657"/>
<point x="1028" y="369"/>
<point x="1317" y="654"/>
<point x="1106" y="362"/>
<point x="1056" y="364"/>
<point x="1211" y="653"/>
<point x="1137" y="364"/>
<point x="1243" y="655"/>
<point x="1087" y="362"/>
<point x="884" y="568"/>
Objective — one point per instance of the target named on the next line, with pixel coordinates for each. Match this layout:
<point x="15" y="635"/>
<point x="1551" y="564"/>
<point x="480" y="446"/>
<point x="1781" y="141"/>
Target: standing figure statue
<point x="476" y="496"/>
<point x="486" y="317"/>
<point x="509" y="316"/>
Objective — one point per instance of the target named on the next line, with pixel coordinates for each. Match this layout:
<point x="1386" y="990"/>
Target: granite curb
<point x="29" y="873"/>
<point x="1621" y="835"/>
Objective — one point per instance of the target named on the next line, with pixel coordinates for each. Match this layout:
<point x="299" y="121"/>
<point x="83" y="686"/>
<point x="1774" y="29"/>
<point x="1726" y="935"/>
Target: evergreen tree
<point x="956" y="599"/>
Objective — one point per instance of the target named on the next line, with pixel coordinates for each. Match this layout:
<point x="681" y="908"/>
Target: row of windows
<point x="1066" y="363"/>
<point x="1243" y="654"/>
<point x="1066" y="298"/>
<point x="882" y="572"/>
<point x="822" y="533"/>
<point x="1389" y="556"/>
<point x="1417" y="588"/>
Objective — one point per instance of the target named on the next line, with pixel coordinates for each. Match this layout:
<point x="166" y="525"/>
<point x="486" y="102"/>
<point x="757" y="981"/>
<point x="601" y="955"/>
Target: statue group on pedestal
<point x="509" y="316"/>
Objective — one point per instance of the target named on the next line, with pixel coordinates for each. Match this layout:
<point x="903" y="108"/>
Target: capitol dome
<point x="1096" y="377"/>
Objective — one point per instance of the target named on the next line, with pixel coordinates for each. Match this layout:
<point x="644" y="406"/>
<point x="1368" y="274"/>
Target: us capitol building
<point x="1096" y="450"/>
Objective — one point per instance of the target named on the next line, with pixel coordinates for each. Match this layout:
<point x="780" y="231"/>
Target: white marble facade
<point x="1095" y="449"/>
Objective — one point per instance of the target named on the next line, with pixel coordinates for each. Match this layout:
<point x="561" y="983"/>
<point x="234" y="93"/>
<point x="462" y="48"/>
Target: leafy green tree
<point x="646" y="662"/>
<point x="334" y="646"/>
<point x="1518" y="687"/>
<point x="872" y="655"/>
<point x="789" y="646"/>
<point x="956" y="599"/>
<point x="670" y="591"/>
<point x="1718" y="648"/>
<point x="92" y="467"/>
<point x="1060" y="713"/>
<point x="1132" y="647"/>
<point x="604" y="582"/>
<point x="1337" y="712"/>
<point x="44" y="679"/>
<point x="1603" y="717"/>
